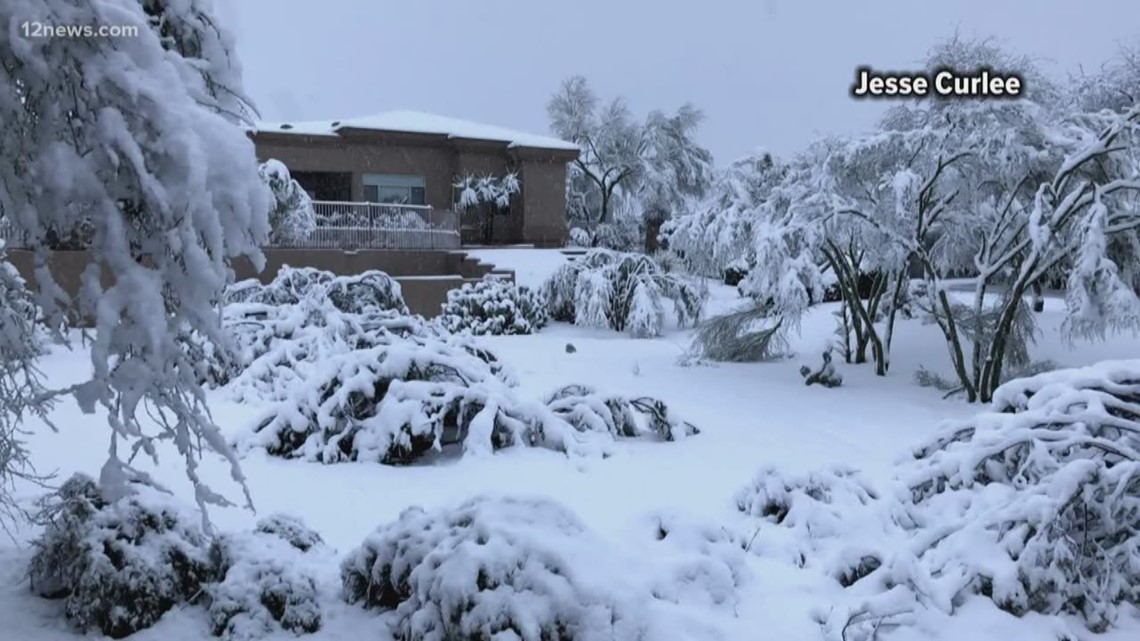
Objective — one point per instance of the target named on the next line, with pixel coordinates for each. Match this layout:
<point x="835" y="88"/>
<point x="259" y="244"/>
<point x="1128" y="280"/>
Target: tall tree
<point x="658" y="162"/>
<point x="137" y="138"/>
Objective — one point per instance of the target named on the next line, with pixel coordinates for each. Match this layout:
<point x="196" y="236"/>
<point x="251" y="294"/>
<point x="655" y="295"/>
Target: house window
<point x="395" y="189"/>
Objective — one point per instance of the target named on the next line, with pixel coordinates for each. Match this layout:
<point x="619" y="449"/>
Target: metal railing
<point x="350" y="225"/>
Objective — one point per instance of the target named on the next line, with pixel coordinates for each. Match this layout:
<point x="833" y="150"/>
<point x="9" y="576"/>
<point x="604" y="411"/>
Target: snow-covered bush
<point x="261" y="583"/>
<point x="491" y="568"/>
<point x="279" y="330"/>
<point x="396" y="401"/>
<point x="579" y="237"/>
<point x="710" y="561"/>
<point x="624" y="292"/>
<point x="588" y="411"/>
<point x="1034" y="504"/>
<point x="292" y="218"/>
<point x="494" y="307"/>
<point x="1038" y="500"/>
<point x="823" y="519"/>
<point x="120" y="565"/>
<point x="623" y="236"/>
<point x="372" y="289"/>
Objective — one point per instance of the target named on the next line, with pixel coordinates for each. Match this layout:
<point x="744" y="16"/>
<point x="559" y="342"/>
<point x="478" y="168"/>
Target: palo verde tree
<point x="138" y="138"/>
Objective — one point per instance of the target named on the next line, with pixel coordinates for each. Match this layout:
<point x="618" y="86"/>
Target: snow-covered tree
<point x="292" y="217"/>
<point x="657" y="161"/>
<point x="138" y="138"/>
<point x="718" y="232"/>
<point x="620" y="291"/>
<point x="487" y="196"/>
<point x="21" y="386"/>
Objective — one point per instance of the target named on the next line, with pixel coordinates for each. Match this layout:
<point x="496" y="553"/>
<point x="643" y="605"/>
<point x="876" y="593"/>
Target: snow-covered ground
<point x="751" y="415"/>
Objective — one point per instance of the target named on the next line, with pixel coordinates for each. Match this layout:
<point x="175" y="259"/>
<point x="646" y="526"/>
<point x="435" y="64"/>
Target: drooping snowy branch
<point x="135" y="137"/>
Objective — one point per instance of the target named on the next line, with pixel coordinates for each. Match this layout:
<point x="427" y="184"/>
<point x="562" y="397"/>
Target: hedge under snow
<point x="620" y="291"/>
<point x="1034" y="504"/>
<point x="494" y="307"/>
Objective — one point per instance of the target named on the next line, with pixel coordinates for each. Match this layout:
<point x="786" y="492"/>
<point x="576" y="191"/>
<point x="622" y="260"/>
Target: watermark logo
<point x="34" y="29"/>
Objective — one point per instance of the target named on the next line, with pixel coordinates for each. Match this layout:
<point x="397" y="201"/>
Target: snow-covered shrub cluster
<point x="588" y="410"/>
<point x="1034" y="504"/>
<point x="280" y="329"/>
<point x="353" y="377"/>
<point x="510" y="568"/>
<point x="292" y="218"/>
<point x="493" y="307"/>
<point x="261" y="582"/>
<point x="624" y="292"/>
<point x="119" y="565"/>
<point x="1038" y="500"/>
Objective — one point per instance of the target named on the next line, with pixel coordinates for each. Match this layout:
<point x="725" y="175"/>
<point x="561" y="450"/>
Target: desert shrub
<point x="493" y="307"/>
<point x="587" y="410"/>
<point x="280" y="330"/>
<point x="119" y="565"/>
<point x="1033" y="504"/>
<point x="262" y="583"/>
<point x="1039" y="498"/>
<point x="710" y="564"/>
<point x="491" y="569"/>
<point x="357" y="293"/>
<point x="291" y="530"/>
<point x="395" y="402"/>
<point x="624" y="292"/>
<point x="823" y="518"/>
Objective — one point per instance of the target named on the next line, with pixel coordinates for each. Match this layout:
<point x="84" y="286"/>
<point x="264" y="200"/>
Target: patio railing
<point x="349" y="225"/>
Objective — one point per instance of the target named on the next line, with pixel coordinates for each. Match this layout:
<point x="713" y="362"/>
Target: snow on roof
<point x="423" y="123"/>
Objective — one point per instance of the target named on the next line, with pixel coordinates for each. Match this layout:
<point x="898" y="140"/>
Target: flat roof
<point x="421" y="123"/>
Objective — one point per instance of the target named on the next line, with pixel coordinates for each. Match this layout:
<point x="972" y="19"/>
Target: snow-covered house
<point x="416" y="158"/>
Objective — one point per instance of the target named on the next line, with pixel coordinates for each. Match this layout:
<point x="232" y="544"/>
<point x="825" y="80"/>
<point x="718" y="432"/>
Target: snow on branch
<point x="487" y="190"/>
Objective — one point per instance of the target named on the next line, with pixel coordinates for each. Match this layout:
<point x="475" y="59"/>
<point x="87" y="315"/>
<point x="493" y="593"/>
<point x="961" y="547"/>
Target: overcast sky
<point x="767" y="73"/>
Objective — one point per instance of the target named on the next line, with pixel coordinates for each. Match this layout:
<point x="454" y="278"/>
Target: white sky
<point x="768" y="73"/>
